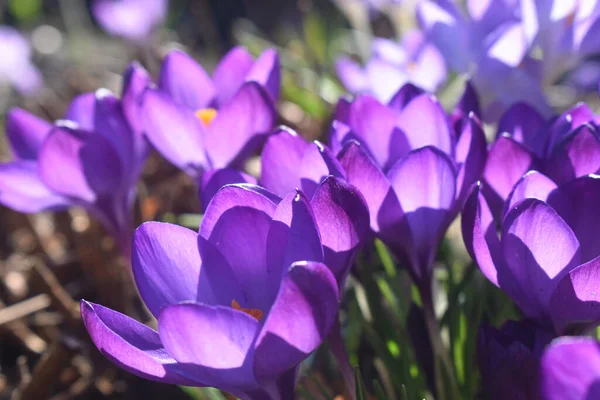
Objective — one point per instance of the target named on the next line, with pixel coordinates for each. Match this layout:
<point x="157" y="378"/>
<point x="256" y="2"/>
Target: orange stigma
<point x="253" y="312"/>
<point x="206" y="115"/>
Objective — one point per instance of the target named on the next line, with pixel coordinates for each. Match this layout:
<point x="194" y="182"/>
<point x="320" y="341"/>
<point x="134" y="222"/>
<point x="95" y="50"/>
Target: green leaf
<point x="203" y="393"/>
<point x="379" y="392"/>
<point x="315" y="36"/>
<point x="361" y="394"/>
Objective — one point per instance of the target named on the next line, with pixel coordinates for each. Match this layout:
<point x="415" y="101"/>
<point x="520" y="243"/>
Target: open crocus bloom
<point x="489" y="44"/>
<point x="199" y="123"/>
<point x="132" y="19"/>
<point x="509" y="359"/>
<point x="570" y="369"/>
<point x="414" y="60"/>
<point x="243" y="302"/>
<point x="546" y="259"/>
<point x="412" y="168"/>
<point x="92" y="158"/>
<point x="564" y="148"/>
<point x="564" y="30"/>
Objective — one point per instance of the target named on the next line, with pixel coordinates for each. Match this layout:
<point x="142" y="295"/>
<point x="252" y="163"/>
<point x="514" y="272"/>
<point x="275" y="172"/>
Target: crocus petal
<point x="281" y="160"/>
<point x="135" y="81"/>
<point x="471" y="153"/>
<point x="237" y="195"/>
<point x="267" y="72"/>
<point x="362" y="172"/>
<point x="375" y="126"/>
<point x="82" y="111"/>
<point x="570" y="369"/>
<point x="186" y="81"/>
<point x="447" y="30"/>
<point x="577" y="156"/>
<point x="214" y="342"/>
<point x="240" y="127"/>
<point x="293" y="236"/>
<point x="342" y="217"/>
<point x="26" y="133"/>
<point x="237" y="225"/>
<point x="425" y="124"/>
<point x="215" y="179"/>
<point x="405" y="95"/>
<point x="318" y="163"/>
<point x="80" y="165"/>
<point x="425" y="183"/>
<point x="300" y="319"/>
<point x="507" y="162"/>
<point x="509" y="46"/>
<point x="577" y="203"/>
<point x="524" y="124"/>
<point x="110" y="122"/>
<point x="339" y="134"/>
<point x="352" y="75"/>
<point x="230" y="73"/>
<point x="569" y="120"/>
<point x="132" y="19"/>
<point x="22" y="190"/>
<point x="162" y="276"/>
<point x="130" y="345"/>
<point x="385" y="78"/>
<point x="533" y="185"/>
<point x="174" y="131"/>
<point x="574" y="304"/>
<point x="538" y="260"/>
<point x="481" y="239"/>
<point x="469" y="101"/>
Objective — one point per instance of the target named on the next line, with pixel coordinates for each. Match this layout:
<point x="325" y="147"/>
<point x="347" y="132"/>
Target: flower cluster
<point x="240" y="303"/>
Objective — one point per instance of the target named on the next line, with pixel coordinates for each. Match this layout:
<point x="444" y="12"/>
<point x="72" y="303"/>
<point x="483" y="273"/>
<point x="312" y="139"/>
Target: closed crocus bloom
<point x="509" y="359"/>
<point x="288" y="163"/>
<point x="546" y="258"/>
<point x="92" y="158"/>
<point x="258" y="282"/>
<point x="570" y="369"/>
<point x="200" y="123"/>
<point x="132" y="19"/>
<point x="392" y="65"/>
<point x="563" y="148"/>
<point x="412" y="168"/>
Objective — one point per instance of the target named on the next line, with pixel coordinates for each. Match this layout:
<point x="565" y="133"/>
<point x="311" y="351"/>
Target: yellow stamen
<point x="253" y="312"/>
<point x="206" y="115"/>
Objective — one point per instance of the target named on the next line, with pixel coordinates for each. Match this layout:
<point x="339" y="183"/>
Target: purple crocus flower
<point x="412" y="168"/>
<point x="132" y="19"/>
<point x="563" y="148"/>
<point x="92" y="158"/>
<point x="16" y="67"/>
<point x="488" y="44"/>
<point x="258" y="280"/>
<point x="546" y="258"/>
<point x="565" y="31"/>
<point x="200" y="123"/>
<point x="509" y="359"/>
<point x="392" y="65"/>
<point x="570" y="369"/>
